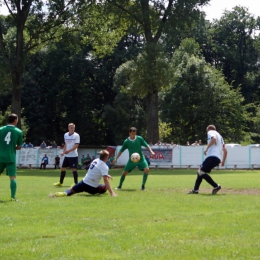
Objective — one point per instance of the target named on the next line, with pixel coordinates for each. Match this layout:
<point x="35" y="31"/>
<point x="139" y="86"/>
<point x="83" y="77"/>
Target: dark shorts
<point x="71" y="162"/>
<point x="81" y="186"/>
<point x="209" y="163"/>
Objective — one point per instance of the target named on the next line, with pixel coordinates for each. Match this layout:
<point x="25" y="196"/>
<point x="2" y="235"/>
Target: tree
<point x="31" y="23"/>
<point x="154" y="18"/>
<point x="234" y="50"/>
<point x="198" y="96"/>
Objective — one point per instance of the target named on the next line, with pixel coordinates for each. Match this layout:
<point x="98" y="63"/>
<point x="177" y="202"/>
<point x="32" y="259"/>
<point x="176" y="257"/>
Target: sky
<point x="215" y="8"/>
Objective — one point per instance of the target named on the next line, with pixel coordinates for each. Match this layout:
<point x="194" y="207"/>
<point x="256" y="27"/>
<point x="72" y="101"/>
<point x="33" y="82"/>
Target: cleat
<point x="142" y="188"/>
<point x="14" y="199"/>
<point x="118" y="188"/>
<point x="57" y="184"/>
<point x="193" y="192"/>
<point x="215" y="190"/>
<point x="60" y="194"/>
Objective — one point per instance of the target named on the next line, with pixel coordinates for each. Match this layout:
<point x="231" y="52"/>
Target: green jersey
<point x="10" y="137"/>
<point x="134" y="146"/>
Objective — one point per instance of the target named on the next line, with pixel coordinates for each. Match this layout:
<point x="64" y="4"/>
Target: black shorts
<point x="81" y="186"/>
<point x="209" y="163"/>
<point x="71" y="162"/>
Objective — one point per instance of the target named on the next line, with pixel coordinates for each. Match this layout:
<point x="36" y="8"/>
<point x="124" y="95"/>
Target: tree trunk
<point x="152" y="124"/>
<point x="16" y="106"/>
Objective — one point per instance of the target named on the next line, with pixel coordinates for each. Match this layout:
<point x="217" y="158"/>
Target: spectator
<point x="93" y="158"/>
<point x="57" y="162"/>
<point x="54" y="145"/>
<point x="195" y="144"/>
<point x="30" y="145"/>
<point x="43" y="145"/>
<point x="200" y="143"/>
<point x="187" y="143"/>
<point x="83" y="159"/>
<point x="159" y="143"/>
<point x="45" y="161"/>
<point x="87" y="162"/>
<point x="24" y="145"/>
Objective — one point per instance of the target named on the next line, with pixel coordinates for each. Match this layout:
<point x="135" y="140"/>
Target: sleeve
<point x="77" y="140"/>
<point x="104" y="170"/>
<point x="124" y="146"/>
<point x="20" y="139"/>
<point x="143" y="142"/>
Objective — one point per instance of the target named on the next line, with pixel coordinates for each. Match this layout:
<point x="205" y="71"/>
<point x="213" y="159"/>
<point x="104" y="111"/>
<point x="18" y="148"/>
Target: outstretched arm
<point x="117" y="157"/>
<point x="107" y="183"/>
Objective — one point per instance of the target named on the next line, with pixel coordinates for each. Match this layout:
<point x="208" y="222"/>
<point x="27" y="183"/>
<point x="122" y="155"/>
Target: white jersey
<point x="96" y="171"/>
<point x="217" y="148"/>
<point x="70" y="141"/>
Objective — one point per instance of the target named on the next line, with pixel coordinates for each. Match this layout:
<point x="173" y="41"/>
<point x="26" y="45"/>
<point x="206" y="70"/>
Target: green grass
<point x="163" y="222"/>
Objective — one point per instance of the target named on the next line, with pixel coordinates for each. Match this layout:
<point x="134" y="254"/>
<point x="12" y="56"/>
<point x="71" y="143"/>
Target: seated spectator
<point x="195" y="144"/>
<point x="54" y="145"/>
<point x="187" y="143"/>
<point x="24" y="145"/>
<point x="57" y="162"/>
<point x="87" y="162"/>
<point x="30" y="145"/>
<point x="43" y="145"/>
<point x="159" y="143"/>
<point x="93" y="158"/>
<point x="110" y="162"/>
<point x="200" y="143"/>
<point x="45" y="161"/>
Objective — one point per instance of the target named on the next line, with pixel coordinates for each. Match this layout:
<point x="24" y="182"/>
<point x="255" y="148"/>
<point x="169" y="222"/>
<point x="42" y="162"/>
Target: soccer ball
<point x="135" y="157"/>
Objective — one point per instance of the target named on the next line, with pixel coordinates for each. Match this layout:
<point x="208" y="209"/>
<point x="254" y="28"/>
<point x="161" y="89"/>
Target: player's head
<point x="71" y="127"/>
<point x="103" y="155"/>
<point x="132" y="130"/>
<point x="13" y="119"/>
<point x="211" y="127"/>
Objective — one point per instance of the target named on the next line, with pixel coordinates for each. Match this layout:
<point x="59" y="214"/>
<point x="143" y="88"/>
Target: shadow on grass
<point x="118" y="172"/>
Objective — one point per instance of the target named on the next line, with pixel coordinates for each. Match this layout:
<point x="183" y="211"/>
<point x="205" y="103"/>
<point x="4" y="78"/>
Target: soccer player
<point x="70" y="150"/>
<point x="134" y="144"/>
<point x="11" y="139"/>
<point x="215" y="151"/>
<point x="90" y="182"/>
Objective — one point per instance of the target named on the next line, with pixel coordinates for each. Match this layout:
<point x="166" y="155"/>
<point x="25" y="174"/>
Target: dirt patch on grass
<point x="234" y="191"/>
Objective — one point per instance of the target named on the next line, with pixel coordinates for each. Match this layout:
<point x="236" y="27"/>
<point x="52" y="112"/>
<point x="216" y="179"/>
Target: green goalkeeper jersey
<point x="10" y="137"/>
<point x="134" y="146"/>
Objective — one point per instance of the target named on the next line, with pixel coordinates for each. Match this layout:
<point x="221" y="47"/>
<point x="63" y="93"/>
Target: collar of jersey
<point x="131" y="139"/>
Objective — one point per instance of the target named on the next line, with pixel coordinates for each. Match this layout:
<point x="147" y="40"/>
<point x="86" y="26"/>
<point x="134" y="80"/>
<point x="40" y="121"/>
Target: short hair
<point x="211" y="127"/>
<point x="103" y="154"/>
<point x="132" y="128"/>
<point x="12" y="118"/>
<point x="71" y="124"/>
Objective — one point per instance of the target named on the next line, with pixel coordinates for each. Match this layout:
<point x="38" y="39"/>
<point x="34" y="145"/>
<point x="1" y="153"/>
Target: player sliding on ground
<point x="134" y="144"/>
<point x="90" y="183"/>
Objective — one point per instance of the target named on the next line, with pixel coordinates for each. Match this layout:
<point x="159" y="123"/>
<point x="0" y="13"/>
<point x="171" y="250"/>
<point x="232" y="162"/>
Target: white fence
<point x="239" y="157"/>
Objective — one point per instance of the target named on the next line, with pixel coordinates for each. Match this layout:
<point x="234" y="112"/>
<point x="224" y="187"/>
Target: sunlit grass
<point x="163" y="222"/>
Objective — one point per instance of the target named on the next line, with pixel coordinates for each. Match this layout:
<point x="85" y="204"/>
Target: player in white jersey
<point x="70" y="150"/>
<point x="215" y="151"/>
<point x="91" y="182"/>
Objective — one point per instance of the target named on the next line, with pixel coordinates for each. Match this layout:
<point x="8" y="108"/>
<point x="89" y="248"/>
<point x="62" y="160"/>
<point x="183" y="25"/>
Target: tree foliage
<point x="199" y="96"/>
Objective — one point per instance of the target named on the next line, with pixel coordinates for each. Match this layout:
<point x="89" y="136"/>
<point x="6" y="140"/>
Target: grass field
<point x="163" y="222"/>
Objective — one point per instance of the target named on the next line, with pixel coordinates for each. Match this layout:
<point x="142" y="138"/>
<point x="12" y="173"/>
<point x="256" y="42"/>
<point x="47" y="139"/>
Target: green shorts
<point x="10" y="168"/>
<point x="130" y="165"/>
